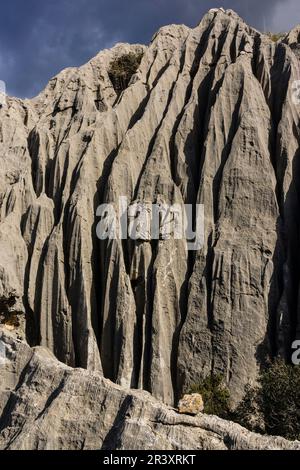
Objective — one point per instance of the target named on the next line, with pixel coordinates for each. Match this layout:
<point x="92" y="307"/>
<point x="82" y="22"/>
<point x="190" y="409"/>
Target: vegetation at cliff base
<point x="274" y="406"/>
<point x="215" y="395"/>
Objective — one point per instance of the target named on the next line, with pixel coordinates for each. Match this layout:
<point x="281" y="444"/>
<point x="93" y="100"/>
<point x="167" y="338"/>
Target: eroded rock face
<point x="208" y="118"/>
<point x="50" y="406"/>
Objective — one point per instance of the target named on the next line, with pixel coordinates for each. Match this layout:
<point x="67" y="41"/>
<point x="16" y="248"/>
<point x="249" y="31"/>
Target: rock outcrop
<point x="47" y="405"/>
<point x="210" y="117"/>
<point x="191" y="404"/>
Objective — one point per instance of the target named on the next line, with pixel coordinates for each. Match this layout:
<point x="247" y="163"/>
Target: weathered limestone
<point x="49" y="406"/>
<point x="191" y="404"/>
<point x="210" y="118"/>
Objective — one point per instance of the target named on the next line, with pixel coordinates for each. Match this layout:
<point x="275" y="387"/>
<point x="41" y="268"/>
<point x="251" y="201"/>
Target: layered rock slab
<point x="208" y="118"/>
<point x="46" y="405"/>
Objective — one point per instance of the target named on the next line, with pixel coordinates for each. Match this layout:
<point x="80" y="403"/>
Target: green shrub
<point x="215" y="395"/>
<point x="122" y="69"/>
<point x="280" y="399"/>
<point x="275" y="36"/>
<point x="248" y="413"/>
<point x="276" y="402"/>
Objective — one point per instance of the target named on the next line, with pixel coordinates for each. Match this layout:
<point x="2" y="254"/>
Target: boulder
<point x="191" y="404"/>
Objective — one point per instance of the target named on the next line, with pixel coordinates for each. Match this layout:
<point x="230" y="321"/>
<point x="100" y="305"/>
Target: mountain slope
<point x="208" y="118"/>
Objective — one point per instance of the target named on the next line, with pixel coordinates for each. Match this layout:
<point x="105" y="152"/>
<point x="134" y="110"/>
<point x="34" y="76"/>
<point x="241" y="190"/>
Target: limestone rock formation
<point x="210" y="117"/>
<point x="50" y="406"/>
<point x="191" y="404"/>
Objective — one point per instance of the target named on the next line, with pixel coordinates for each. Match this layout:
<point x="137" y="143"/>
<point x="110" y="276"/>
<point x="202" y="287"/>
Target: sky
<point x="39" y="38"/>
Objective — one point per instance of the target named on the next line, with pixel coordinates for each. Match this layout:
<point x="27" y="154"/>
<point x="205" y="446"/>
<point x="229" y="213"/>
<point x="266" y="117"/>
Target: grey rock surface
<point x="50" y="406"/>
<point x="209" y="117"/>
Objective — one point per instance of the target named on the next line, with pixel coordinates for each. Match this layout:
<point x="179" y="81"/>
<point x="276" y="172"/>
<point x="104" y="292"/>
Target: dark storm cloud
<point x="39" y="38"/>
